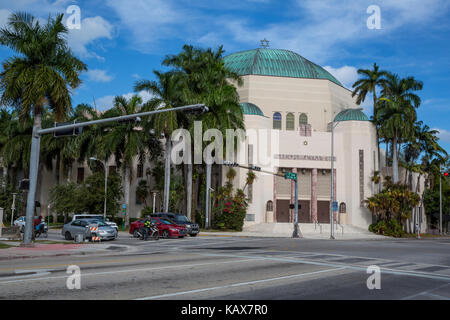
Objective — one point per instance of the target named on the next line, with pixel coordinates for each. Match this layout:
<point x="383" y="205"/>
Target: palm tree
<point x="396" y="118"/>
<point x="368" y="84"/>
<point x="43" y="73"/>
<point x="126" y="140"/>
<point x="166" y="95"/>
<point x="400" y="101"/>
<point x="205" y="80"/>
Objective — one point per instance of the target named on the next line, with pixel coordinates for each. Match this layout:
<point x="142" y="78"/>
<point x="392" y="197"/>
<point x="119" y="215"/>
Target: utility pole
<point x="35" y="146"/>
<point x="440" y="199"/>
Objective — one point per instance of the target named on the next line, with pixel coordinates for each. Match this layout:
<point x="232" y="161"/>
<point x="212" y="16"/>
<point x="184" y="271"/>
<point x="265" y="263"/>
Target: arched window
<point x="290" y="121"/>
<point x="269" y="205"/>
<point x="303" y="119"/>
<point x="342" y="207"/>
<point x="277" y="120"/>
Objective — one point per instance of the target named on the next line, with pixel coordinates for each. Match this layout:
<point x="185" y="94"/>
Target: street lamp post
<point x="106" y="183"/>
<point x="334" y="125"/>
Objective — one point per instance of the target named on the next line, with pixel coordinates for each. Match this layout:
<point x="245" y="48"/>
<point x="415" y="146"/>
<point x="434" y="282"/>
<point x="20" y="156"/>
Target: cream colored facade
<point x="321" y="100"/>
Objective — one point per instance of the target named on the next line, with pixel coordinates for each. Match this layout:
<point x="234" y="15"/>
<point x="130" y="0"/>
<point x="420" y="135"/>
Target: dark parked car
<point x="180" y="219"/>
<point x="167" y="228"/>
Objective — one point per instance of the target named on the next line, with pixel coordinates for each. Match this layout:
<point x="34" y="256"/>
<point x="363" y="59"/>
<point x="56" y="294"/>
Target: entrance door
<point x="303" y="212"/>
<point x="283" y="210"/>
<point x="323" y="211"/>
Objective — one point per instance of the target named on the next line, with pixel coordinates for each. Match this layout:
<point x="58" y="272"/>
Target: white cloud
<point x="347" y="75"/>
<point x="92" y="29"/>
<point x="149" y="20"/>
<point x="4" y="15"/>
<point x="98" y="75"/>
<point x="444" y="135"/>
<point x="106" y="102"/>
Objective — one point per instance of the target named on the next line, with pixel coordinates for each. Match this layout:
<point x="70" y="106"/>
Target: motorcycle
<point x="41" y="229"/>
<point x="143" y="233"/>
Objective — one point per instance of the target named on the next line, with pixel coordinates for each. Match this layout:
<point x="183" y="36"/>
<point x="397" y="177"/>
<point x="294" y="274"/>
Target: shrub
<point x="230" y="210"/>
<point x="389" y="228"/>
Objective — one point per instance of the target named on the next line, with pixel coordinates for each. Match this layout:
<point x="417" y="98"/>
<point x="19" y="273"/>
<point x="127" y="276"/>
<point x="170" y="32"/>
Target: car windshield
<point x="166" y="221"/>
<point x="97" y="222"/>
<point x="181" y="219"/>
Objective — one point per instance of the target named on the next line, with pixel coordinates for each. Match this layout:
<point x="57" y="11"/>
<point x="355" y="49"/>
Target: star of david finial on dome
<point x="264" y="43"/>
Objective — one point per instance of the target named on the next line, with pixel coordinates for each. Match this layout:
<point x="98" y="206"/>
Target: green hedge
<point x="390" y="228"/>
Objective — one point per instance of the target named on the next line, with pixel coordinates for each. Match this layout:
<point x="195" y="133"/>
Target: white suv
<point x="95" y="216"/>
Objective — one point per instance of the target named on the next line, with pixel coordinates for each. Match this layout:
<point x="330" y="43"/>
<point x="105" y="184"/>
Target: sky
<point x="124" y="41"/>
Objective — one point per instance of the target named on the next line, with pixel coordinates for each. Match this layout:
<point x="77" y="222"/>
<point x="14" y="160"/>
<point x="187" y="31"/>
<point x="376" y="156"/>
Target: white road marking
<point x="238" y="284"/>
<point x="426" y="292"/>
<point x="384" y="270"/>
<point x="131" y="270"/>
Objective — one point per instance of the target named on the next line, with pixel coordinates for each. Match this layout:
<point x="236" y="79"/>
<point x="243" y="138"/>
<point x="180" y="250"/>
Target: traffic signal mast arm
<point x="254" y="168"/>
<point x="191" y="108"/>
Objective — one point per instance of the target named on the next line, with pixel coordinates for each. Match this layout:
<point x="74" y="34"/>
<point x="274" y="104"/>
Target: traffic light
<point x="130" y="120"/>
<point x="197" y="111"/>
<point x="66" y="132"/>
<point x="255" y="168"/>
<point x="24" y="184"/>
<point x="445" y="174"/>
<point x="230" y="164"/>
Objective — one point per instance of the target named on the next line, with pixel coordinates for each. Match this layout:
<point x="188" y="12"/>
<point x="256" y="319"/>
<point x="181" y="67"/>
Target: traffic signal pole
<point x="296" y="230"/>
<point x="440" y="199"/>
<point x="35" y="146"/>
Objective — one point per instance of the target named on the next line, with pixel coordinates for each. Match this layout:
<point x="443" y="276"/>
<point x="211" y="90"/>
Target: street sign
<point x="335" y="206"/>
<point x="290" y="175"/>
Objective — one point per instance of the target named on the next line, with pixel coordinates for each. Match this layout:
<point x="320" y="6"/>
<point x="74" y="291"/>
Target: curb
<point x="62" y="254"/>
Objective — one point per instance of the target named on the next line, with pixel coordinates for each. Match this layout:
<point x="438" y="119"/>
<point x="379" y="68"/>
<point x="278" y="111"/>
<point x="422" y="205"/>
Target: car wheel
<point x="67" y="236"/>
<point x="165" y="234"/>
<point x="181" y="237"/>
<point x="136" y="233"/>
<point x="193" y="234"/>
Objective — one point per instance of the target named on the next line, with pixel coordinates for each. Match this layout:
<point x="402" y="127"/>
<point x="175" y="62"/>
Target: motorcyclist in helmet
<point x="147" y="226"/>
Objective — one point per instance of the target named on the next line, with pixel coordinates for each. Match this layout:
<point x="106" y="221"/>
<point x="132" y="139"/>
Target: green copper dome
<point x="275" y="62"/>
<point x="250" y="108"/>
<point x="351" y="115"/>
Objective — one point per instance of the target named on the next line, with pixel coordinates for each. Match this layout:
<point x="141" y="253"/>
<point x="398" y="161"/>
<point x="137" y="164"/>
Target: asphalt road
<point x="239" y="268"/>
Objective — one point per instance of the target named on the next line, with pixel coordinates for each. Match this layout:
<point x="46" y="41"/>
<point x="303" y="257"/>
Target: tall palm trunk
<point x="167" y="174"/>
<point x="377" y="133"/>
<point x="126" y="192"/>
<point x="34" y="167"/>
<point x="394" y="159"/>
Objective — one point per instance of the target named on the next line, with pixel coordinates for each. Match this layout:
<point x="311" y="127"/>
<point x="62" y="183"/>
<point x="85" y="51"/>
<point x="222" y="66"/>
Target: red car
<point x="167" y="228"/>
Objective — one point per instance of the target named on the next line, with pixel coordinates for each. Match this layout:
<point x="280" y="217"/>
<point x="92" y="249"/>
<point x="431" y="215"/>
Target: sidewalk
<point x="307" y="231"/>
<point x="56" y="249"/>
